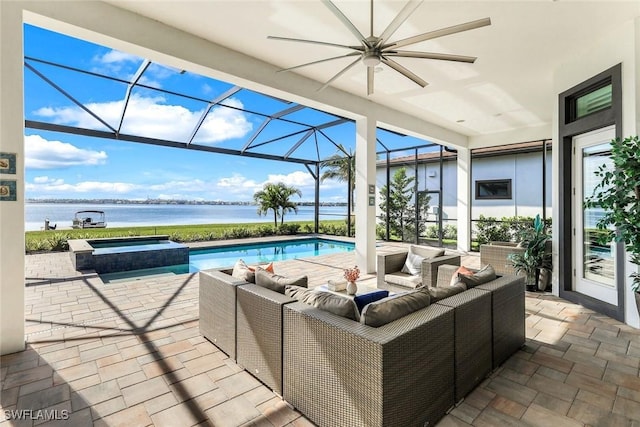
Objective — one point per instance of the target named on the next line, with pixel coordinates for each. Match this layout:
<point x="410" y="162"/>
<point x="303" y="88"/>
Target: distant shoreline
<point x="163" y="202"/>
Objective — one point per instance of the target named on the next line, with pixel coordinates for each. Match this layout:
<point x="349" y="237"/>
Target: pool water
<point x="259" y="253"/>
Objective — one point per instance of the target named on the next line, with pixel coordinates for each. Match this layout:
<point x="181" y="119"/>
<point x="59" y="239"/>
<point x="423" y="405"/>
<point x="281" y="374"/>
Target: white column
<point x="464" y="199"/>
<point x="12" y="213"/>
<point x="365" y="212"/>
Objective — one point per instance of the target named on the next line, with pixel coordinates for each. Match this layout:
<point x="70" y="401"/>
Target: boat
<point x="89" y="219"/>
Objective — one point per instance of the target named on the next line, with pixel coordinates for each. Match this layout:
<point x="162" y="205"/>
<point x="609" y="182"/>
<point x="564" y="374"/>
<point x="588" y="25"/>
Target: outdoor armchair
<point x="389" y="267"/>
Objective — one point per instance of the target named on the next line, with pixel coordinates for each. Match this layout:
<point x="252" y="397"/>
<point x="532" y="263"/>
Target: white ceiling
<point x="509" y="87"/>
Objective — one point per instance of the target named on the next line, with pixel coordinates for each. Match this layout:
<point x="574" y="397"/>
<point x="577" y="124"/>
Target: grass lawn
<point x="56" y="240"/>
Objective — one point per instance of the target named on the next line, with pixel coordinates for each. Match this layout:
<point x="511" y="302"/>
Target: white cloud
<point x="44" y="154"/>
<point x="86" y="187"/>
<point x="116" y="56"/>
<point x="151" y="117"/>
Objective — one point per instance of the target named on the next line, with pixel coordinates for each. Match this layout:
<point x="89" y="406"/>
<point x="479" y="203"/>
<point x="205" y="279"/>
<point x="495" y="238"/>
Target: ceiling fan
<point x="374" y="50"/>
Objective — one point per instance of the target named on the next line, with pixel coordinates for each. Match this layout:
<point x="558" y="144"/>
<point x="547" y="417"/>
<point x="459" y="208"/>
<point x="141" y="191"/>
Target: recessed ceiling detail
<point x="375" y="50"/>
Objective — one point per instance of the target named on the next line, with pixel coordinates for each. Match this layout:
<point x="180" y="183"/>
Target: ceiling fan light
<point x="370" y="59"/>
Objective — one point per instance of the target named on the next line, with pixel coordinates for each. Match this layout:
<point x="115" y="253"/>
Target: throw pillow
<point x="362" y="300"/>
<point x="426" y="252"/>
<point x="413" y="264"/>
<point x="242" y="271"/>
<point x="461" y="270"/>
<point x="388" y="309"/>
<point x="441" y="293"/>
<point x="277" y="283"/>
<point x="336" y="304"/>
<point x="484" y="275"/>
<point x="268" y="267"/>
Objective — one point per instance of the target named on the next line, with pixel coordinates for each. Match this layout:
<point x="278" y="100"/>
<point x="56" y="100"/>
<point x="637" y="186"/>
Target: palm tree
<point x="337" y="167"/>
<point x="276" y="197"/>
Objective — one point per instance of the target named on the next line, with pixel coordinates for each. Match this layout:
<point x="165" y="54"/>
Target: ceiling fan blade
<point x="404" y="14"/>
<point x="341" y="72"/>
<point x="402" y="70"/>
<point x="370" y="72"/>
<point x="338" y="13"/>
<point x="430" y="55"/>
<point x="439" y="33"/>
<point x="319" y="61"/>
<point x="289" y="39"/>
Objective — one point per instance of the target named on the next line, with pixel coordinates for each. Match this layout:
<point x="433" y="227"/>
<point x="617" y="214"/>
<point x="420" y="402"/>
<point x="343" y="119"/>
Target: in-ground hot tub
<point x="126" y="253"/>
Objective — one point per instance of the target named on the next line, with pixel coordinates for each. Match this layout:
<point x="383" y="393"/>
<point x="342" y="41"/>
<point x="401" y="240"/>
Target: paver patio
<point x="131" y="354"/>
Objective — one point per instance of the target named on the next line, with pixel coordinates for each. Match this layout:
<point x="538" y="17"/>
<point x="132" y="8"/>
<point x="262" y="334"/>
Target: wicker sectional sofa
<point x="338" y="371"/>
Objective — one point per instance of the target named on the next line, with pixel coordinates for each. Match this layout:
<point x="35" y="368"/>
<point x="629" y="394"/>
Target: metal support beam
<point x="65" y="93"/>
<point x="143" y="67"/>
<point x="211" y="104"/>
<point x="299" y="143"/>
<point x="349" y="196"/>
<point x="153" y="141"/>
<point x="388" y="193"/>
<point x="316" y="212"/>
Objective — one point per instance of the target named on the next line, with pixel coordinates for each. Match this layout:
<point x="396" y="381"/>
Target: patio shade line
<point x="68" y="95"/>
<point x="32" y="124"/>
<point x="206" y="111"/>
<point x="143" y="67"/>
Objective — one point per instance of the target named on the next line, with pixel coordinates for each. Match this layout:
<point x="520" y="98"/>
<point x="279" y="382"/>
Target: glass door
<point x="594" y="263"/>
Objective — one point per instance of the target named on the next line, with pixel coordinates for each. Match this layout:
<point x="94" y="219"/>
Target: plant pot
<point x="544" y="279"/>
<point x="531" y="281"/>
<point x="637" y="295"/>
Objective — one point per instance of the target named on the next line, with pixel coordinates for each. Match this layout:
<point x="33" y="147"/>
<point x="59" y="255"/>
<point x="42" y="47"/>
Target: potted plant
<point x="618" y="194"/>
<point x="535" y="256"/>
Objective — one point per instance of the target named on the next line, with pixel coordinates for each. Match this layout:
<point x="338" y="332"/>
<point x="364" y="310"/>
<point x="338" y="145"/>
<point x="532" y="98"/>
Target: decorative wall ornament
<point x="8" y="190"/>
<point x="8" y="163"/>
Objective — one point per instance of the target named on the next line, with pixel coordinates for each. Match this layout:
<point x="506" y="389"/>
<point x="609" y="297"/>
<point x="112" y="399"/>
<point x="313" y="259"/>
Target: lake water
<point x="121" y="215"/>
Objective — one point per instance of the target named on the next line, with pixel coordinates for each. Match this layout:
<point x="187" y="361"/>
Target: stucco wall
<point x="621" y="46"/>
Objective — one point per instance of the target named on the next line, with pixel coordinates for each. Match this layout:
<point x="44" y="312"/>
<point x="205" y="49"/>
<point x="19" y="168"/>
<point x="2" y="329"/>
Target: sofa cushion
<point x="484" y="275"/>
<point x="242" y="271"/>
<point x="388" y="309"/>
<point x="441" y="293"/>
<point x="426" y="252"/>
<point x="362" y="300"/>
<point x="461" y="270"/>
<point x="403" y="279"/>
<point x="336" y="304"/>
<point x="277" y="283"/>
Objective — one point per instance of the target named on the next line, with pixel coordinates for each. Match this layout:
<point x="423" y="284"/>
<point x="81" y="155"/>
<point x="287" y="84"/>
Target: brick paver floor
<point x="131" y="354"/>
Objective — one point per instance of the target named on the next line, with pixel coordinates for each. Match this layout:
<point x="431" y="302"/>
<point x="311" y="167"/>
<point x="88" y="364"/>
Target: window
<point x="595" y="98"/>
<point x="493" y="189"/>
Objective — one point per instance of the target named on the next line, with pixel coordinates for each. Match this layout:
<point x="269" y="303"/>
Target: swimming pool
<point x="202" y="259"/>
<point x="226" y="256"/>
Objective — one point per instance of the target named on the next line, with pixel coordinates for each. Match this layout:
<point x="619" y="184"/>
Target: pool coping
<point x="210" y="244"/>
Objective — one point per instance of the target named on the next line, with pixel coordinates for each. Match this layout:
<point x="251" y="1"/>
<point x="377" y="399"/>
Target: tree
<point x="337" y="167"/>
<point x="402" y="208"/>
<point x="276" y="197"/>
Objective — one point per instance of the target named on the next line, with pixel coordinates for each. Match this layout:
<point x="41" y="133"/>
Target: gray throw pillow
<point x="484" y="275"/>
<point x="443" y="292"/>
<point x="277" y="283"/>
<point x="241" y="271"/>
<point x="336" y="304"/>
<point x="388" y="309"/>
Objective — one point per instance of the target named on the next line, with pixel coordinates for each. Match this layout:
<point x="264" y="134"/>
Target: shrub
<point x="490" y="229"/>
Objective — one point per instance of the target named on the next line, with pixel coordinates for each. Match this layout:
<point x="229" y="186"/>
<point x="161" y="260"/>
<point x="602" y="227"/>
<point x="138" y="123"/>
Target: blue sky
<point x="60" y="165"/>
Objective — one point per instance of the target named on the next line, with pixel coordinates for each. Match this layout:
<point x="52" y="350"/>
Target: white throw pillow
<point x="413" y="264"/>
